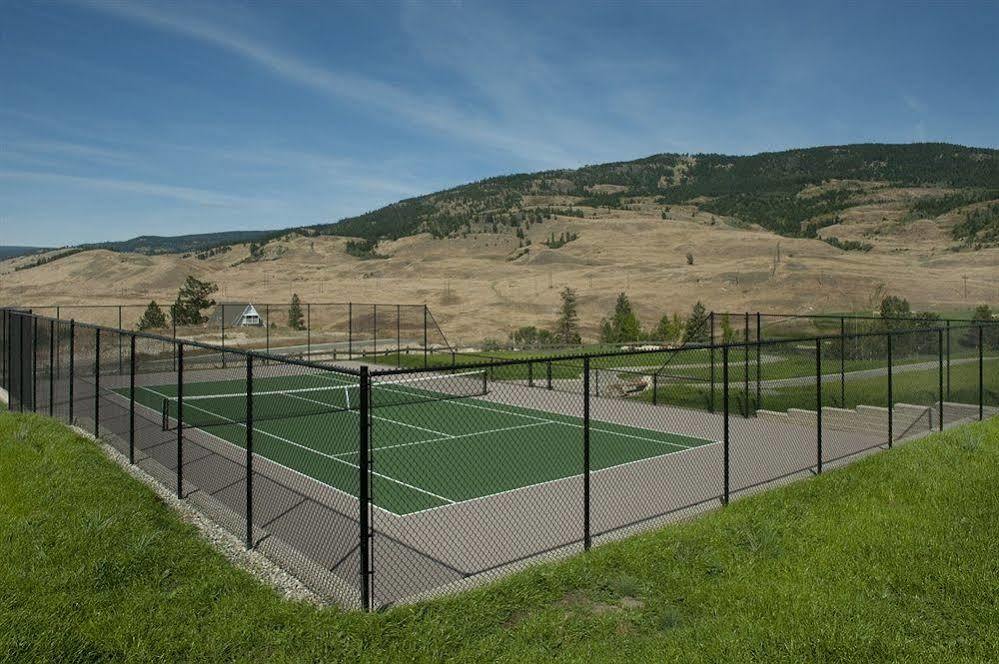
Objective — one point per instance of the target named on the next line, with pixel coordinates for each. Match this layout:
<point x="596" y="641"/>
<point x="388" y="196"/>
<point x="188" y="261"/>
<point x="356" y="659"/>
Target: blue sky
<point x="121" y="119"/>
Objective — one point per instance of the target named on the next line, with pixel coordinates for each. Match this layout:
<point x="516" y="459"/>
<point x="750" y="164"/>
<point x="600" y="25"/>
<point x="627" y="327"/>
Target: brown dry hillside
<point x="484" y="284"/>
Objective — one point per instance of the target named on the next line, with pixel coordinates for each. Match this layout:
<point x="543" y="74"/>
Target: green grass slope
<point x="892" y="559"/>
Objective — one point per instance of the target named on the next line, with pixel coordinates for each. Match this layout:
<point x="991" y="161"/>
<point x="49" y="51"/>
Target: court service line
<point x="309" y="449"/>
<point x="454" y="437"/>
<point x="377" y="417"/>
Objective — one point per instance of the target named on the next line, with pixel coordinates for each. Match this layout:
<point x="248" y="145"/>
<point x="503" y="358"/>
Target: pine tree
<point x="567" y="326"/>
<point x="296" y="320"/>
<point x="697" y="324"/>
<point x="625" y="324"/>
<point x="153" y="318"/>
<point x="192" y="299"/>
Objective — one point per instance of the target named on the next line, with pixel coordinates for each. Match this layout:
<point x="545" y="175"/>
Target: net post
<point x="725" y="417"/>
<point x="891" y="395"/>
<point x="97" y="382"/>
<point x="51" y="368"/>
<point x="940" y="377"/>
<point x="711" y="341"/>
<point x="818" y="405"/>
<point x="758" y="339"/>
<point x="249" y="451"/>
<point x="363" y="490"/>
<point x="131" y="400"/>
<point x="72" y="366"/>
<point x="180" y="420"/>
<point x="586" y="455"/>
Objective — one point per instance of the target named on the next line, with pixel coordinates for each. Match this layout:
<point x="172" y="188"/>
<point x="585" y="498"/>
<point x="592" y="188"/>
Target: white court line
<point x="463" y="435"/>
<point x="314" y="451"/>
<point x="377" y="417"/>
<point x="284" y="468"/>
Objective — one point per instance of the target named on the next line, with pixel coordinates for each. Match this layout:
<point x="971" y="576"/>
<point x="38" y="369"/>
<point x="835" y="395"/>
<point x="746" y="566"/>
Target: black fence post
<point x="530" y="374"/>
<point x="131" y="400"/>
<point x="426" y="360"/>
<point x="34" y="364"/>
<point x="891" y="396"/>
<point x="180" y="420"/>
<point x="725" y="440"/>
<point x="981" y="373"/>
<point x="72" y="366"/>
<point x="249" y="451"/>
<point x="655" y="389"/>
<point x="940" y="375"/>
<point x="374" y="329"/>
<point x="97" y="382"/>
<point x="267" y="330"/>
<point x="398" y="335"/>
<point x="308" y="330"/>
<point x="586" y="454"/>
<point x="173" y="335"/>
<point x="711" y="341"/>
<point x="548" y="374"/>
<point x="842" y="362"/>
<point x="51" y="368"/>
<point x="121" y="358"/>
<point x="745" y="371"/>
<point x="948" y="360"/>
<point x="350" y="330"/>
<point x="818" y="403"/>
<point x="222" y="318"/>
<point x="759" y="338"/>
<point x="363" y="490"/>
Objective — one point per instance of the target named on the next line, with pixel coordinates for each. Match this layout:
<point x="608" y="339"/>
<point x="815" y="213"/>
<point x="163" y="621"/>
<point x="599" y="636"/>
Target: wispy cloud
<point x="201" y="197"/>
<point x="438" y="114"/>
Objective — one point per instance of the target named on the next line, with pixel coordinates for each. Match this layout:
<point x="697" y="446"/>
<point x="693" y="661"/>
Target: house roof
<point x="233" y="313"/>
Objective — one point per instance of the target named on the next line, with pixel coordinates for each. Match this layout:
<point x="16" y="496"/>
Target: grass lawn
<point x="891" y="559"/>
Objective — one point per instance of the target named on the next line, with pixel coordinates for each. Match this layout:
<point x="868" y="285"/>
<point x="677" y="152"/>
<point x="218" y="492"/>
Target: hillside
<point x="14" y="252"/>
<point x="503" y="250"/>
<point x="793" y="193"/>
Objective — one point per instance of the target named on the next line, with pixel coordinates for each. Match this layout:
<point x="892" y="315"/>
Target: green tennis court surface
<point x="429" y="449"/>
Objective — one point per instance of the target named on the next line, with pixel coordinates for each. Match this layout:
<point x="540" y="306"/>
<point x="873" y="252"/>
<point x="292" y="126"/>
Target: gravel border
<point x="256" y="563"/>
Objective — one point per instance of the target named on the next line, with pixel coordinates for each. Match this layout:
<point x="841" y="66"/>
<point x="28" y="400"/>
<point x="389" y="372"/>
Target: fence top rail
<point x="261" y="304"/>
<point x="836" y="316"/>
<point x="279" y="359"/>
<point x="562" y="359"/>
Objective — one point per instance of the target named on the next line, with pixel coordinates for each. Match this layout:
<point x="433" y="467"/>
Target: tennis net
<point x="206" y="410"/>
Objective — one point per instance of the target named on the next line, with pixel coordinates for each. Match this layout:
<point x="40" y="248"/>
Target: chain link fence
<point x="384" y="486"/>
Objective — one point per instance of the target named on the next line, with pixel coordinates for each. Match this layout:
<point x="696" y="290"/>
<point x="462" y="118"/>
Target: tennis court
<point x="436" y="440"/>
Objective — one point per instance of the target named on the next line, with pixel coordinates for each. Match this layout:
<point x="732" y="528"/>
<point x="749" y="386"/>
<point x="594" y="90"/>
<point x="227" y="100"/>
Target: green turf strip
<point x="424" y="455"/>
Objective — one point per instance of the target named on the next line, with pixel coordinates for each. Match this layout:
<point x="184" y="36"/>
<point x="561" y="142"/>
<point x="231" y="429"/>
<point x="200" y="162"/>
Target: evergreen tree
<point x="567" y="326"/>
<point x="192" y="299"/>
<point x="153" y="318"/>
<point x="296" y="320"/>
<point x="697" y="325"/>
<point x="625" y="323"/>
<point x="669" y="329"/>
